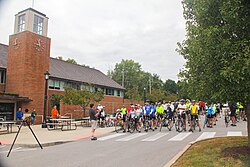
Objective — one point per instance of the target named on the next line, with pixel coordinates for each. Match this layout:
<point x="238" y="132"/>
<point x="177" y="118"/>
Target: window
<point x="21" y="23"/>
<point x="110" y="92"/>
<point x="118" y="93"/>
<point x="53" y="84"/>
<point x="2" y="76"/>
<point x="38" y="25"/>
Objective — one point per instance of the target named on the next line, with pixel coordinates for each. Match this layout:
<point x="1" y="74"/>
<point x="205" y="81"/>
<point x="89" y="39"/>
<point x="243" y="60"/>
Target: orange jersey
<point x="54" y="113"/>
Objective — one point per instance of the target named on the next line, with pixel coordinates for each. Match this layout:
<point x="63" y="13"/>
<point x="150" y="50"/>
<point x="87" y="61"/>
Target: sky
<point x="100" y="33"/>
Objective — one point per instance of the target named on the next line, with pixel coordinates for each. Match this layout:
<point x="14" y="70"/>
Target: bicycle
<point x="147" y="124"/>
<point x="179" y="125"/>
<point x="165" y="121"/>
<point x="119" y="126"/>
<point x="134" y="126"/>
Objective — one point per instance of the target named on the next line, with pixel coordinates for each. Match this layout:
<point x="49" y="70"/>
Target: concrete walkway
<point x="48" y="138"/>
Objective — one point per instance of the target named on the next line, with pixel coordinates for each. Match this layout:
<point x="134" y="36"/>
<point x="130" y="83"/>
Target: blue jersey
<point x="147" y="109"/>
<point x="210" y="110"/>
<point x="153" y="110"/>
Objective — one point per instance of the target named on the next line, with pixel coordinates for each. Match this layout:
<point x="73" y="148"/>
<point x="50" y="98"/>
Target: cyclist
<point x="147" y="112"/>
<point x="181" y="110"/>
<point x="210" y="112"/>
<point x="119" y="115"/>
<point x="139" y="117"/>
<point x="124" y="113"/>
<point x="159" y="112"/>
<point x="153" y="116"/>
<point x="194" y="115"/>
<point x="188" y="104"/>
<point x="170" y="115"/>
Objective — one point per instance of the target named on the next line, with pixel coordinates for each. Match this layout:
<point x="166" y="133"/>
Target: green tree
<point x="55" y="100"/>
<point x="217" y="51"/>
<point x="170" y="86"/>
<point x="81" y="97"/>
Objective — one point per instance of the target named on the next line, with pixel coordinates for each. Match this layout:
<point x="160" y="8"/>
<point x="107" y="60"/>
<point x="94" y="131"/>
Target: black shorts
<point x="233" y="114"/>
<point x="124" y="118"/>
<point x="194" y="117"/>
<point x="152" y="117"/>
<point x="210" y="116"/>
<point x="160" y="116"/>
<point x="241" y="109"/>
<point x="183" y="116"/>
<point x="170" y="115"/>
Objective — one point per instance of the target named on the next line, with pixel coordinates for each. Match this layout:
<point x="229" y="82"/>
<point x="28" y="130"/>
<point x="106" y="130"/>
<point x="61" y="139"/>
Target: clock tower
<point x="28" y="58"/>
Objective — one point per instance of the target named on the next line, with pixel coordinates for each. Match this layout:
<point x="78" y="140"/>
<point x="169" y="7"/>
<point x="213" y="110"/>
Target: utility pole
<point x="123" y="75"/>
<point x="150" y="84"/>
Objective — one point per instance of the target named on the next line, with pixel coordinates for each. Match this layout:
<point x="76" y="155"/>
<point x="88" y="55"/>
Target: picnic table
<point x="9" y="125"/>
<point x="60" y="123"/>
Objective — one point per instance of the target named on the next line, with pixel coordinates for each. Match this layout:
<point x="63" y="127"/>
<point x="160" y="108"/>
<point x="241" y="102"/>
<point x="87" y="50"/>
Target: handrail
<point x="68" y="114"/>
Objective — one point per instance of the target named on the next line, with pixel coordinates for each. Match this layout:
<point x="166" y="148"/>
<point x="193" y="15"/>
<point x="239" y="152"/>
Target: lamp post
<point x="46" y="74"/>
<point x="144" y="95"/>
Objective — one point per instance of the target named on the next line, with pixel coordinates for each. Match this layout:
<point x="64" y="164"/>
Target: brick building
<point x="22" y="67"/>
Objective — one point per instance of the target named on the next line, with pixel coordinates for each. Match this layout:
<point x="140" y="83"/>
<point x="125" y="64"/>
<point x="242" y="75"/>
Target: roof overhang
<point x="14" y="97"/>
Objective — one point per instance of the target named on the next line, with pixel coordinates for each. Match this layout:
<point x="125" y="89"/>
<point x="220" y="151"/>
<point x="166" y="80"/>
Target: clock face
<point x="15" y="43"/>
<point x="39" y="45"/>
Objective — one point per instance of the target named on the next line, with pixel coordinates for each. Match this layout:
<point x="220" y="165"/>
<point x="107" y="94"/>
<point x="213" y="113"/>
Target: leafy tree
<point x="81" y="97"/>
<point x="55" y="100"/>
<point x="170" y="86"/>
<point x="217" y="51"/>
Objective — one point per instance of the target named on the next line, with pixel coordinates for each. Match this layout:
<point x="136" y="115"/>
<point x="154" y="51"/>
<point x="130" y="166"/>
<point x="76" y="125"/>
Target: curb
<point x="177" y="156"/>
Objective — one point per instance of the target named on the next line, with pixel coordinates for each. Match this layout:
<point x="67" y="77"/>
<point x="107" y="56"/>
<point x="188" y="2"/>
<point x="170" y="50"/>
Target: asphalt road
<point x="123" y="150"/>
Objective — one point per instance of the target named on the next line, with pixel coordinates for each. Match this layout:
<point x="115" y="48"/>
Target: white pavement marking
<point x="131" y="137"/>
<point x="110" y="136"/>
<point x="19" y="150"/>
<point x="155" y="137"/>
<point x="234" y="133"/>
<point x="206" y="135"/>
<point x="180" y="136"/>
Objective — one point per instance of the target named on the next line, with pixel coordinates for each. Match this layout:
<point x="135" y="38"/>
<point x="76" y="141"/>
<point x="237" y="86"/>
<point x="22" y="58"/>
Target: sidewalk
<point x="49" y="138"/>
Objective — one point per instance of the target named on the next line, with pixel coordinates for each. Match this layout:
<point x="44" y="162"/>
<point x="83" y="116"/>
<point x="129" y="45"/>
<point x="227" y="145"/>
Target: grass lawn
<point x="217" y="152"/>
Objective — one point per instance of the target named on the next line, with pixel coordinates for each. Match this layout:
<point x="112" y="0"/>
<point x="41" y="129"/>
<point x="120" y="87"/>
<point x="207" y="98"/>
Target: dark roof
<point x="68" y="71"/>
<point x="74" y="72"/>
<point x="3" y="55"/>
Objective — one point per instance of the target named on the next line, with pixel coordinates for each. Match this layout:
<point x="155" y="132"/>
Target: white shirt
<point x="181" y="108"/>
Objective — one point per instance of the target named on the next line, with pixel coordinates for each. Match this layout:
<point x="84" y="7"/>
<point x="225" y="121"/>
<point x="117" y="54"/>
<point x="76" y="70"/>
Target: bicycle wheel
<point x="226" y="121"/>
<point x="132" y="127"/>
<point x="180" y="125"/>
<point x="168" y="125"/>
<point x="161" y="124"/>
<point x="118" y="126"/>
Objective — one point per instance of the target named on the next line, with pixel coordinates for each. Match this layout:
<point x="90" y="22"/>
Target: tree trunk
<point x="248" y="122"/>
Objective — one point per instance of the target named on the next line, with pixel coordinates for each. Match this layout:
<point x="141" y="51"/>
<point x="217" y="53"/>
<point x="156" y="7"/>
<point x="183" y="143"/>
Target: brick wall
<point x="111" y="104"/>
<point x="26" y="67"/>
<point x="1" y="87"/>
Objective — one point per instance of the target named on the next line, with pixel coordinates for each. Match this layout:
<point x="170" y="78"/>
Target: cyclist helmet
<point x="182" y="100"/>
<point x="187" y="100"/>
<point x="118" y="110"/>
<point x="193" y="101"/>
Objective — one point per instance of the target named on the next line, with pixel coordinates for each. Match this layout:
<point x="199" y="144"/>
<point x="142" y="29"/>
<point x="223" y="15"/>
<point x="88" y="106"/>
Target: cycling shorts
<point x="182" y="115"/>
<point x="124" y="118"/>
<point x="170" y="115"/>
<point x="194" y="117"/>
<point x="210" y="116"/>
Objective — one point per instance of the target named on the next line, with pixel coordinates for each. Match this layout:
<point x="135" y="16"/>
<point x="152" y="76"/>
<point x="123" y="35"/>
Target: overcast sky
<point x="100" y="33"/>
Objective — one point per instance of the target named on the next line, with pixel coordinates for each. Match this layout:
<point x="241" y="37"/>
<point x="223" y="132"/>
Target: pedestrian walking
<point x="93" y="120"/>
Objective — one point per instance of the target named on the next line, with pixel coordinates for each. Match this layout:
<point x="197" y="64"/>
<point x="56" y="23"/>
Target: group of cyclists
<point x="160" y="114"/>
<point x="181" y="114"/>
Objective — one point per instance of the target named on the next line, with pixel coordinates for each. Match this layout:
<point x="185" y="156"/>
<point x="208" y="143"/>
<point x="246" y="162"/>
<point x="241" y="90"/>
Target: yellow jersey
<point x="194" y="110"/>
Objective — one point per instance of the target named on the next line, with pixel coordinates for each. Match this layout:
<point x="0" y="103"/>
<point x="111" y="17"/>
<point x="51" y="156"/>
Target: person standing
<point x="19" y="115"/>
<point x="93" y="115"/>
<point x="54" y="113"/>
<point x="33" y="116"/>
